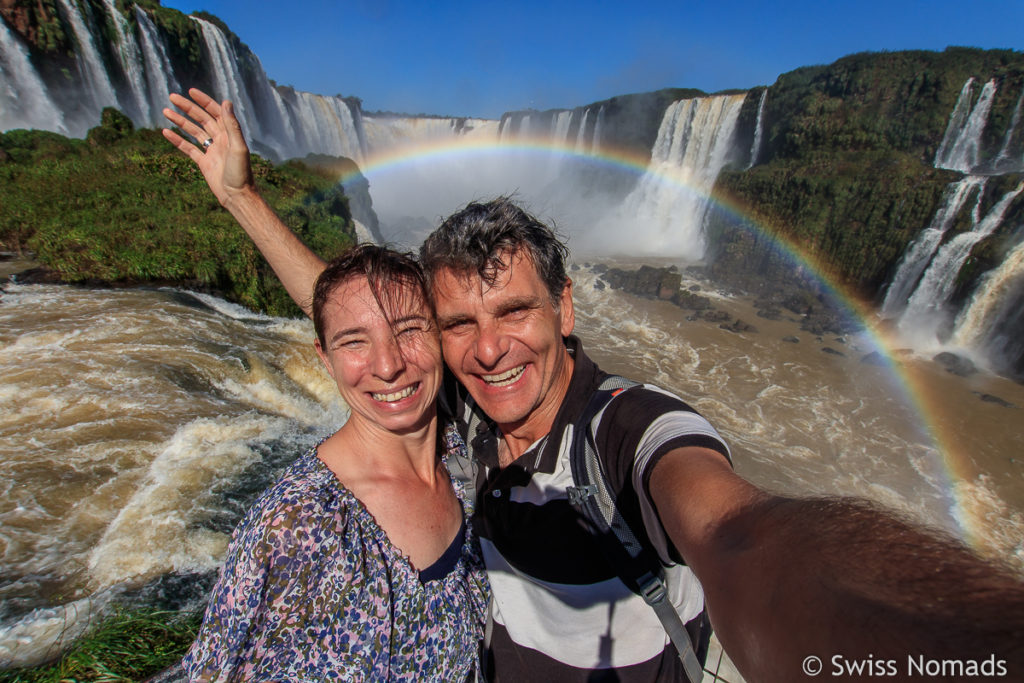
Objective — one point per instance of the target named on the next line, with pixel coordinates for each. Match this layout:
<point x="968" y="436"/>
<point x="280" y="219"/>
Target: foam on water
<point x="125" y="418"/>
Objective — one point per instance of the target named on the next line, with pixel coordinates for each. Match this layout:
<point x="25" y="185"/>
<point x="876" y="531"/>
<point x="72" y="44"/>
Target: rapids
<point x="138" y="424"/>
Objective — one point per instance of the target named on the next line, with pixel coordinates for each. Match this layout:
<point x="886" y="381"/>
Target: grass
<point x="129" y="645"/>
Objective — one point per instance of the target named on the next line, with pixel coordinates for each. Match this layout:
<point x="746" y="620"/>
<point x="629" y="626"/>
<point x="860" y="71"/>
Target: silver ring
<point x="207" y="142"/>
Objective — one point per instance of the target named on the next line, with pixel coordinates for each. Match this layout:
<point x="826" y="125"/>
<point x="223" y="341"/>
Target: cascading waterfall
<point x="1005" y="162"/>
<point x="921" y="251"/>
<point x="159" y="74"/>
<point x="24" y="101"/>
<point x="961" y="145"/>
<point x="560" y="127"/>
<point x="90" y="64"/>
<point x="227" y="79"/>
<point x="755" y="147"/>
<point x="994" y="303"/>
<point x="924" y="311"/>
<point x="130" y="60"/>
<point x="581" y="133"/>
<point x="595" y="139"/>
<point x="920" y="292"/>
<point x="693" y="145"/>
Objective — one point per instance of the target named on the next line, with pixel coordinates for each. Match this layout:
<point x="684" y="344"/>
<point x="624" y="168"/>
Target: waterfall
<point x="159" y="73"/>
<point x="24" y="101"/>
<point x="987" y="322"/>
<point x="1004" y="161"/>
<point x="90" y="64"/>
<point x="755" y="148"/>
<point x="919" y="295"/>
<point x="925" y="308"/>
<point x="581" y="134"/>
<point x="131" y="66"/>
<point x="595" y="139"/>
<point x="667" y="208"/>
<point x="327" y="125"/>
<point x="560" y="127"/>
<point x="227" y="79"/>
<point x="927" y="243"/>
<point x="961" y="145"/>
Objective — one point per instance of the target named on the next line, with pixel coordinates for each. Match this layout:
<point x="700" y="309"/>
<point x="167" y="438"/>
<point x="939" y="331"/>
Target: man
<point x="792" y="586"/>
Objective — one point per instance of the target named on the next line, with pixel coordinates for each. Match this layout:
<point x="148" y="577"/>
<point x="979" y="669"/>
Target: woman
<point x="358" y="563"/>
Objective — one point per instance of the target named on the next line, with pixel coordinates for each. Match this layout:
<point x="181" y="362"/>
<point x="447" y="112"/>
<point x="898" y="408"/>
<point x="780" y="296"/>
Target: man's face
<point x="504" y="343"/>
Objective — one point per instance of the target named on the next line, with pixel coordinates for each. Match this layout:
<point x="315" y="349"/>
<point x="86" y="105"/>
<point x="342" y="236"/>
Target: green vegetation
<point x="853" y="213"/>
<point x="847" y="166"/>
<point x="126" y="646"/>
<point x="889" y="101"/>
<point x="124" y="207"/>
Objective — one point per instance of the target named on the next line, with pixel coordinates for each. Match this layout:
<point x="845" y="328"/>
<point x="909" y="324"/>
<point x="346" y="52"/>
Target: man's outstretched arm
<point x="225" y="165"/>
<point x="838" y="579"/>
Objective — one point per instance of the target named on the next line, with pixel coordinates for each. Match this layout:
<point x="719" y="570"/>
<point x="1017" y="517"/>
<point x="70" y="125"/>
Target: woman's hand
<point x="222" y="155"/>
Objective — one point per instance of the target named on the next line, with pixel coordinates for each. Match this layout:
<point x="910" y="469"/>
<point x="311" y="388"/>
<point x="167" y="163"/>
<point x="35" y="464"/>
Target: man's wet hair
<point x="481" y="238"/>
<point x="396" y="280"/>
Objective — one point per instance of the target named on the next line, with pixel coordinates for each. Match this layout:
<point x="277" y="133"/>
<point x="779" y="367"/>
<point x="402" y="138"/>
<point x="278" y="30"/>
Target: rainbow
<point x="947" y="444"/>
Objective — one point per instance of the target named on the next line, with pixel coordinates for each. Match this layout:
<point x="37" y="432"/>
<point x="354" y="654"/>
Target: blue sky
<point x="484" y="58"/>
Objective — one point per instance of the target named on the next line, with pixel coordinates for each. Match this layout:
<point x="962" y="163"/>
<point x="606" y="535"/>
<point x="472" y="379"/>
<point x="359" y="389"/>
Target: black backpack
<point x="636" y="565"/>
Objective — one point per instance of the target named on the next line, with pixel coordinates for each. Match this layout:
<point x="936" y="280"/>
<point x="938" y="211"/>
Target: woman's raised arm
<point x="223" y="158"/>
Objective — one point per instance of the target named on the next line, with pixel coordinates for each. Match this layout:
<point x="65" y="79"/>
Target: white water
<point x="123" y="413"/>
<point x="159" y="74"/>
<point x="961" y="146"/>
<point x="130" y="59"/>
<point x="24" y="101"/>
<point x="755" y="147"/>
<point x="227" y="79"/>
<point x="926" y="308"/>
<point x="581" y="133"/>
<point x="90" y="65"/>
<point x="921" y="251"/>
<point x="995" y="301"/>
<point x="664" y="214"/>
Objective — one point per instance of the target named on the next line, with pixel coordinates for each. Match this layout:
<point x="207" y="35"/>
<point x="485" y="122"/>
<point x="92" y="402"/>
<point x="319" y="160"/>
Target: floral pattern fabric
<point x="313" y="590"/>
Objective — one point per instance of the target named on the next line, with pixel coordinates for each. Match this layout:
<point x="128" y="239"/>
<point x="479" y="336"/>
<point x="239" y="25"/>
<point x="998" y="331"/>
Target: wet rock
<point x="990" y="398"/>
<point x="791" y="339"/>
<point x="829" y="349"/>
<point x="739" y="326"/>
<point x="689" y="300"/>
<point x="715" y="316"/>
<point x="958" y="365"/>
<point x="599" y="285"/>
<point x="37" y="276"/>
<point x="662" y="283"/>
<point x="873" y="358"/>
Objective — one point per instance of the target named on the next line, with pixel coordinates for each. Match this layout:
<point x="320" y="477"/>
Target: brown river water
<point x="135" y="425"/>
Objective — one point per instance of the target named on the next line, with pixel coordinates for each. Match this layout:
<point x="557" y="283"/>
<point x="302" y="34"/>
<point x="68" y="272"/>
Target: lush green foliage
<point x="123" y="206"/>
<point x="127" y="646"/>
<point x="853" y="213"/>
<point x="846" y="171"/>
<point x="883" y="101"/>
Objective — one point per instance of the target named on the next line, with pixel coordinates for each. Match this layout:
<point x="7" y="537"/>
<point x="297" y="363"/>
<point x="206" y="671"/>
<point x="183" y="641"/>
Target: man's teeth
<point x="505" y="378"/>
<point x="396" y="396"/>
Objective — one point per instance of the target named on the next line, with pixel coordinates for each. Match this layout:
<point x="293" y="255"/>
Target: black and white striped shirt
<point x="560" y="611"/>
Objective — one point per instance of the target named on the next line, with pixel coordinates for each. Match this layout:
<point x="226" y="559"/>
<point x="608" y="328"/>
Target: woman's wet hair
<point x="395" y="279"/>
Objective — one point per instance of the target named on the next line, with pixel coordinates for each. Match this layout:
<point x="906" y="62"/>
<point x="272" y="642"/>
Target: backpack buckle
<point x="579" y="494"/>
<point x="652" y="589"/>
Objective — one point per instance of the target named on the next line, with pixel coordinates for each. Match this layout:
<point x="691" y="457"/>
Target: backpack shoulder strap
<point x="637" y="566"/>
